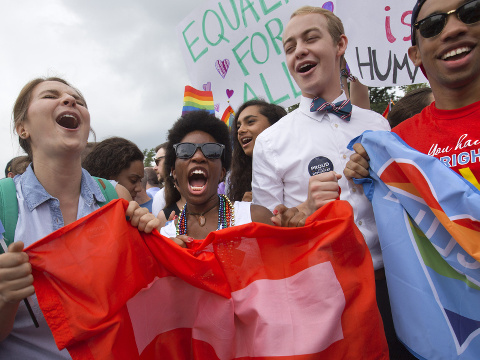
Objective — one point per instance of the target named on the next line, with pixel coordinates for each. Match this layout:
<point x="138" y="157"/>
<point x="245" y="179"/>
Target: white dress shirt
<point x="283" y="152"/>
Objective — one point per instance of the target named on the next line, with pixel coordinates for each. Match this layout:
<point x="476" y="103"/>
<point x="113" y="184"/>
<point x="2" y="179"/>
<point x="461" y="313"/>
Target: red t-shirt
<point x="452" y="136"/>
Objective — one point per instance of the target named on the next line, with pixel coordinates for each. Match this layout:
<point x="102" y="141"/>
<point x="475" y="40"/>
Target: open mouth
<point x="305" y="68"/>
<point x="246" y="140"/>
<point x="197" y="180"/>
<point x="68" y="121"/>
<point x="456" y="54"/>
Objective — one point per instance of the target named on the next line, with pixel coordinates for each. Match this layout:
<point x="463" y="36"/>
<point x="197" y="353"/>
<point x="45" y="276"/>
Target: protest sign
<point x="234" y="47"/>
<point x="379" y="35"/>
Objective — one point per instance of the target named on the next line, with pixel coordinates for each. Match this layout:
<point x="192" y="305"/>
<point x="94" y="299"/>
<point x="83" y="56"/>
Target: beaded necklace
<point x="226" y="216"/>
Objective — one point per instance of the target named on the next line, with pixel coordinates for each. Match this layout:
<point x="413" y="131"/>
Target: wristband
<point x="346" y="74"/>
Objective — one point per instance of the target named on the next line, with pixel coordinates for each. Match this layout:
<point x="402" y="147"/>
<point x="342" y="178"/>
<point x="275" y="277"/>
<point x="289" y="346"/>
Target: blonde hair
<point x="334" y="24"/>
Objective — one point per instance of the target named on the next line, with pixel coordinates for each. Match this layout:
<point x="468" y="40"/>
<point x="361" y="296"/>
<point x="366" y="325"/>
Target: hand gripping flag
<point x="248" y="292"/>
<point x="428" y="223"/>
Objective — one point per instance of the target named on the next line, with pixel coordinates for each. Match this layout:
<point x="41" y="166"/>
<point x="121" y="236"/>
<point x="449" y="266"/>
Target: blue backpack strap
<point x="8" y="209"/>
<point x="108" y="190"/>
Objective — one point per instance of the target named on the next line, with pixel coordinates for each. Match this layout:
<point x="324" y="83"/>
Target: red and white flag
<point x="253" y="291"/>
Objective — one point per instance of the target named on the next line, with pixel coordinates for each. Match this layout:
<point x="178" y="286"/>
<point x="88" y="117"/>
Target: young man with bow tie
<point x="313" y="139"/>
<point x="309" y="145"/>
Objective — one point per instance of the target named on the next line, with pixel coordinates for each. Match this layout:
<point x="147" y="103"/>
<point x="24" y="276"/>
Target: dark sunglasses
<point x="187" y="150"/>
<point x="433" y="25"/>
<point x="157" y="160"/>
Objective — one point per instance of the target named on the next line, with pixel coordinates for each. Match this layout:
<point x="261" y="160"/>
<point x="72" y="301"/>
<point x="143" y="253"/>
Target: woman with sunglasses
<point x="251" y="119"/>
<point x="199" y="155"/>
<point x="53" y="123"/>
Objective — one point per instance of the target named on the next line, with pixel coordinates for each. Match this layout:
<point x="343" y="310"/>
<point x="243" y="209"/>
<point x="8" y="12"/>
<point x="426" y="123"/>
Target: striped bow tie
<point x="343" y="109"/>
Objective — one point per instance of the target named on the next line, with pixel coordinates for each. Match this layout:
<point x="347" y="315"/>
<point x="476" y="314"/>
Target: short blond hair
<point x="334" y="24"/>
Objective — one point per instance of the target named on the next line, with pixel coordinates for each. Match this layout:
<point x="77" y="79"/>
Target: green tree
<point x="293" y="107"/>
<point x="380" y="97"/>
<point x="149" y="157"/>
<point x="408" y="88"/>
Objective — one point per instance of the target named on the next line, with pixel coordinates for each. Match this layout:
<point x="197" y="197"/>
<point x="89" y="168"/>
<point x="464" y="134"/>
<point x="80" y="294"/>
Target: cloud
<point x="123" y="56"/>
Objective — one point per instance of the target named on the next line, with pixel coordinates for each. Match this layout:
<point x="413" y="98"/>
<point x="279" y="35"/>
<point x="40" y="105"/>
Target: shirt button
<point x="354" y="190"/>
<point x="336" y="125"/>
<point x="344" y="156"/>
<point x="360" y="222"/>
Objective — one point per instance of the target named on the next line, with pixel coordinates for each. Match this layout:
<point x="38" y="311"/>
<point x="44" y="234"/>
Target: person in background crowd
<point x="411" y="104"/>
<point x="8" y="169"/>
<point x="159" y="198"/>
<point x="251" y="119"/>
<point x="53" y="122"/>
<point x="143" y="198"/>
<point x="17" y="166"/>
<point x="159" y="160"/>
<point x="152" y="183"/>
<point x="117" y="159"/>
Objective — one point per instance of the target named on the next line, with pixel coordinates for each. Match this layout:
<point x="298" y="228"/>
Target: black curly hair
<point x="193" y="121"/>
<point x="109" y="157"/>
<point x="241" y="174"/>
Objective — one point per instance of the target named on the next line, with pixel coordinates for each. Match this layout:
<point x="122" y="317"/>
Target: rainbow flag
<point x="388" y="109"/>
<point x="428" y="223"/>
<point x="228" y="116"/>
<point x="194" y="99"/>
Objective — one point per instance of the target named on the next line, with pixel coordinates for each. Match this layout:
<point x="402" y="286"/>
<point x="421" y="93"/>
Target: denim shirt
<point x="38" y="215"/>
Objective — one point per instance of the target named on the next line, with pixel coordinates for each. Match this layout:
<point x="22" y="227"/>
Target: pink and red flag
<point x="248" y="292"/>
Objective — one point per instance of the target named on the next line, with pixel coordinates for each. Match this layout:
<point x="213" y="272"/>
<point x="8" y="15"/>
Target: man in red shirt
<point x="445" y="36"/>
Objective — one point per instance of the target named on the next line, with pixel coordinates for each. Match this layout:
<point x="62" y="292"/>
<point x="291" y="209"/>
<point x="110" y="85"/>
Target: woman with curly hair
<point x="251" y="119"/>
<point x="117" y="159"/>
<point x="198" y="156"/>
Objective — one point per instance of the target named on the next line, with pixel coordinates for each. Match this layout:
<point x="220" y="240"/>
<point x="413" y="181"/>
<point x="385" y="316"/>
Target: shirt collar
<point x="90" y="189"/>
<point x="35" y="194"/>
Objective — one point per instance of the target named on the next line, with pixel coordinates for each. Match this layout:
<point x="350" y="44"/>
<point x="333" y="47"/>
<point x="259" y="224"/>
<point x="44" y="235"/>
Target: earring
<point x="23" y="135"/>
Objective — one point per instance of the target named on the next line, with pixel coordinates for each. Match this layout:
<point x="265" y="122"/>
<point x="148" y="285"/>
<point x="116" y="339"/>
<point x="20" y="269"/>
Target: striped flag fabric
<point x="194" y="99"/>
<point x="249" y="292"/>
<point x="228" y="116"/>
<point x="428" y="223"/>
<point x="388" y="109"/>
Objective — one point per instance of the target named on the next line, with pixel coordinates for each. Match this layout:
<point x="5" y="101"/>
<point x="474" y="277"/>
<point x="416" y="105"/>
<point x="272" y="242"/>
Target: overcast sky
<point x="123" y="56"/>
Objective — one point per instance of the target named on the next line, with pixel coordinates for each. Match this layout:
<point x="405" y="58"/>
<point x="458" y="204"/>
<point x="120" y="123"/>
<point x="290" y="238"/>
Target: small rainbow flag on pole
<point x="228" y="116"/>
<point x="388" y="109"/>
<point x="194" y="99"/>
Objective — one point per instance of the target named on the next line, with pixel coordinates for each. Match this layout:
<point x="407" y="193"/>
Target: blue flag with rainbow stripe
<point x="428" y="223"/>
